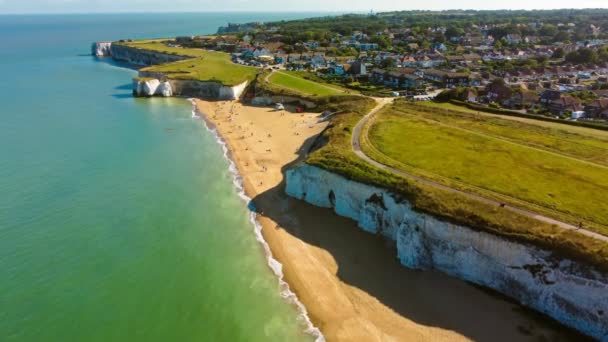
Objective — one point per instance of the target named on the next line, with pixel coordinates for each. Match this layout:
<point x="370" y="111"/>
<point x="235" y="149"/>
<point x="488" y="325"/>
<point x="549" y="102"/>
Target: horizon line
<point x="303" y="11"/>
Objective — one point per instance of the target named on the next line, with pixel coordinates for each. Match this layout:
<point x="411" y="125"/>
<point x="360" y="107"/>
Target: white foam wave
<point x="274" y="264"/>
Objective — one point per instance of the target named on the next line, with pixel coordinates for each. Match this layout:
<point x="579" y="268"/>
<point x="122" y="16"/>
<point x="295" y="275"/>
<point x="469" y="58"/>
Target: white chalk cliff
<point x="102" y="49"/>
<point x="572" y="293"/>
<point x="152" y="87"/>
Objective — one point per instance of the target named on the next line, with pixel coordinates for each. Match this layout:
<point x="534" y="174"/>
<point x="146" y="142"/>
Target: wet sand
<point x="351" y="282"/>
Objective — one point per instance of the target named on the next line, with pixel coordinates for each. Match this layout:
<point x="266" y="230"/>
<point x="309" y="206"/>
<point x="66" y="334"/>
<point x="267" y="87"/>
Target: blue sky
<point x="79" y="6"/>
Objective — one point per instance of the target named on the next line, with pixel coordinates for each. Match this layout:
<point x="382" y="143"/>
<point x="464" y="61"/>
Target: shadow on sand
<point x="369" y="263"/>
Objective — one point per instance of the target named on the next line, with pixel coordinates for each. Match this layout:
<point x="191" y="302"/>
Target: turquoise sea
<point x="119" y="219"/>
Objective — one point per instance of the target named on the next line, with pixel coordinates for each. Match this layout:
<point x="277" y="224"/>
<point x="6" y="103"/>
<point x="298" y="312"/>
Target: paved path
<point x="356" y="146"/>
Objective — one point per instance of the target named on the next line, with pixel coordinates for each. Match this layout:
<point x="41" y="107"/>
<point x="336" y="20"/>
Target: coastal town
<point x="551" y="67"/>
<point x="253" y="171"/>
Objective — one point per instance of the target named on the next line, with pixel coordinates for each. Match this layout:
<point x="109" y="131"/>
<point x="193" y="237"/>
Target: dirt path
<point x="356" y="146"/>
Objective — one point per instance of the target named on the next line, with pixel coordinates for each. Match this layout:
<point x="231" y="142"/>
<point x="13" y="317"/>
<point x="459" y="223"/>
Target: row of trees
<point x="587" y="56"/>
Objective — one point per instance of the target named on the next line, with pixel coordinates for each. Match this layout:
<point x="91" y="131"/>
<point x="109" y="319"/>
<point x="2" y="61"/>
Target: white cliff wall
<point x="101" y="49"/>
<point x="159" y="84"/>
<point x="191" y="88"/>
<point x="139" y="57"/>
<point x="572" y="293"/>
<point x="151" y="87"/>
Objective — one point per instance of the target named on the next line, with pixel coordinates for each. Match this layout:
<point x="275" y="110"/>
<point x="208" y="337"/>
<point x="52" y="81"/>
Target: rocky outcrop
<point x="140" y="57"/>
<point x="101" y="49"/>
<point x="160" y="84"/>
<point x="572" y="293"/>
<point x="146" y="87"/>
<point x="157" y="84"/>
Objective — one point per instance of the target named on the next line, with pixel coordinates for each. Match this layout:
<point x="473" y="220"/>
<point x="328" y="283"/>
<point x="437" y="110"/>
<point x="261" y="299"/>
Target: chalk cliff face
<point x="141" y="57"/>
<point x="163" y="84"/>
<point x="152" y="87"/>
<point x="101" y="49"/>
<point x="157" y="84"/>
<point x="572" y="293"/>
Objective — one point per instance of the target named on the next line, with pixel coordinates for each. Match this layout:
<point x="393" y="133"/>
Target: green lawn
<point x="160" y="46"/>
<point x="204" y="65"/>
<point x="578" y="142"/>
<point x="529" y="163"/>
<point x="294" y="82"/>
<point x="446" y="106"/>
<point x="333" y="152"/>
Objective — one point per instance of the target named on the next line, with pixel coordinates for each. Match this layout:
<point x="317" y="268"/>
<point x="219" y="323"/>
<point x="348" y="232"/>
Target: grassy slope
<point x="294" y="82"/>
<point x="205" y="65"/>
<point x="335" y="154"/>
<point x="438" y="148"/>
<point x="583" y="143"/>
<point x="534" y="119"/>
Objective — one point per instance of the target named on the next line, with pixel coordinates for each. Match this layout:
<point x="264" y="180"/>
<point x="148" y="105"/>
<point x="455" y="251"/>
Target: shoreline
<point x="277" y="267"/>
<point x="348" y="281"/>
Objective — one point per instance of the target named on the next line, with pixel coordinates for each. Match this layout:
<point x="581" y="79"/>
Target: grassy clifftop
<point x="204" y="65"/>
<point x="560" y="174"/>
<point x="334" y="153"/>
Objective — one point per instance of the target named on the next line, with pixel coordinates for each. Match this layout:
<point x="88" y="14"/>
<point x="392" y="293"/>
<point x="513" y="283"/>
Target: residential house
<point x="597" y="108"/>
<point x="513" y="39"/>
<point x="280" y="58"/>
<point x="318" y="60"/>
<point x="455" y="60"/>
<point x="358" y="68"/>
<point x="471" y="96"/>
<point x="454" y="79"/>
<point x="400" y="78"/>
<point x="522" y="99"/>
<point x="337" y="69"/>
<point x="498" y="92"/>
<point x="565" y="103"/>
<point x="548" y="96"/>
<point x="368" y="46"/>
<point x="260" y="51"/>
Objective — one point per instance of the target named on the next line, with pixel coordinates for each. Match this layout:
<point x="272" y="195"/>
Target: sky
<point x="102" y="6"/>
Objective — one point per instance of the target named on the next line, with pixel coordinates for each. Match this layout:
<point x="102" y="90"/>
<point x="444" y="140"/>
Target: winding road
<point x="356" y="146"/>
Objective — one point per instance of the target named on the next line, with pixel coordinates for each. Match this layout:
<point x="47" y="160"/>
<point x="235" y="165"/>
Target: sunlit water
<point x="119" y="219"/>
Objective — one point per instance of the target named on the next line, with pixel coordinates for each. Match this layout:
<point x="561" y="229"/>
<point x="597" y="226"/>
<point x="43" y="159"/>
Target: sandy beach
<point x="350" y="282"/>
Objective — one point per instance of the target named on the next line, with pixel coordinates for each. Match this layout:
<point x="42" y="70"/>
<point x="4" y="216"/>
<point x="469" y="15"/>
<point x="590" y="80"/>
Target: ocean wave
<point x="274" y="264"/>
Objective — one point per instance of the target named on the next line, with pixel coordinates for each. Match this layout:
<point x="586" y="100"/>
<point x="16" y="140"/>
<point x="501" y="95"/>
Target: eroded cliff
<point x="572" y="293"/>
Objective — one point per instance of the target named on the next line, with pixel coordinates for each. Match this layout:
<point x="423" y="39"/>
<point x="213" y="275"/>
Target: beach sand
<point x="351" y="282"/>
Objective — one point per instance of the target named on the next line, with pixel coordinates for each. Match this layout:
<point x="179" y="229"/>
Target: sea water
<point x="119" y="217"/>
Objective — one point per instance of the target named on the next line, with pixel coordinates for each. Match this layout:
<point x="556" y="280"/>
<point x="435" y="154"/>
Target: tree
<point x="582" y="56"/>
<point x="603" y="54"/>
<point x="558" y="53"/>
<point x="439" y="38"/>
<point x="388" y="63"/>
<point x="382" y="41"/>
<point x="548" y="30"/>
<point x="452" y="32"/>
<point x="561" y="36"/>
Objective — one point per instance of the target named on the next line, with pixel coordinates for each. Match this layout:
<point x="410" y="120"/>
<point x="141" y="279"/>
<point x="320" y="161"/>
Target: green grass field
<point x="547" y="167"/>
<point x="204" y="65"/>
<point x="294" y="82"/>
<point x="333" y="152"/>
